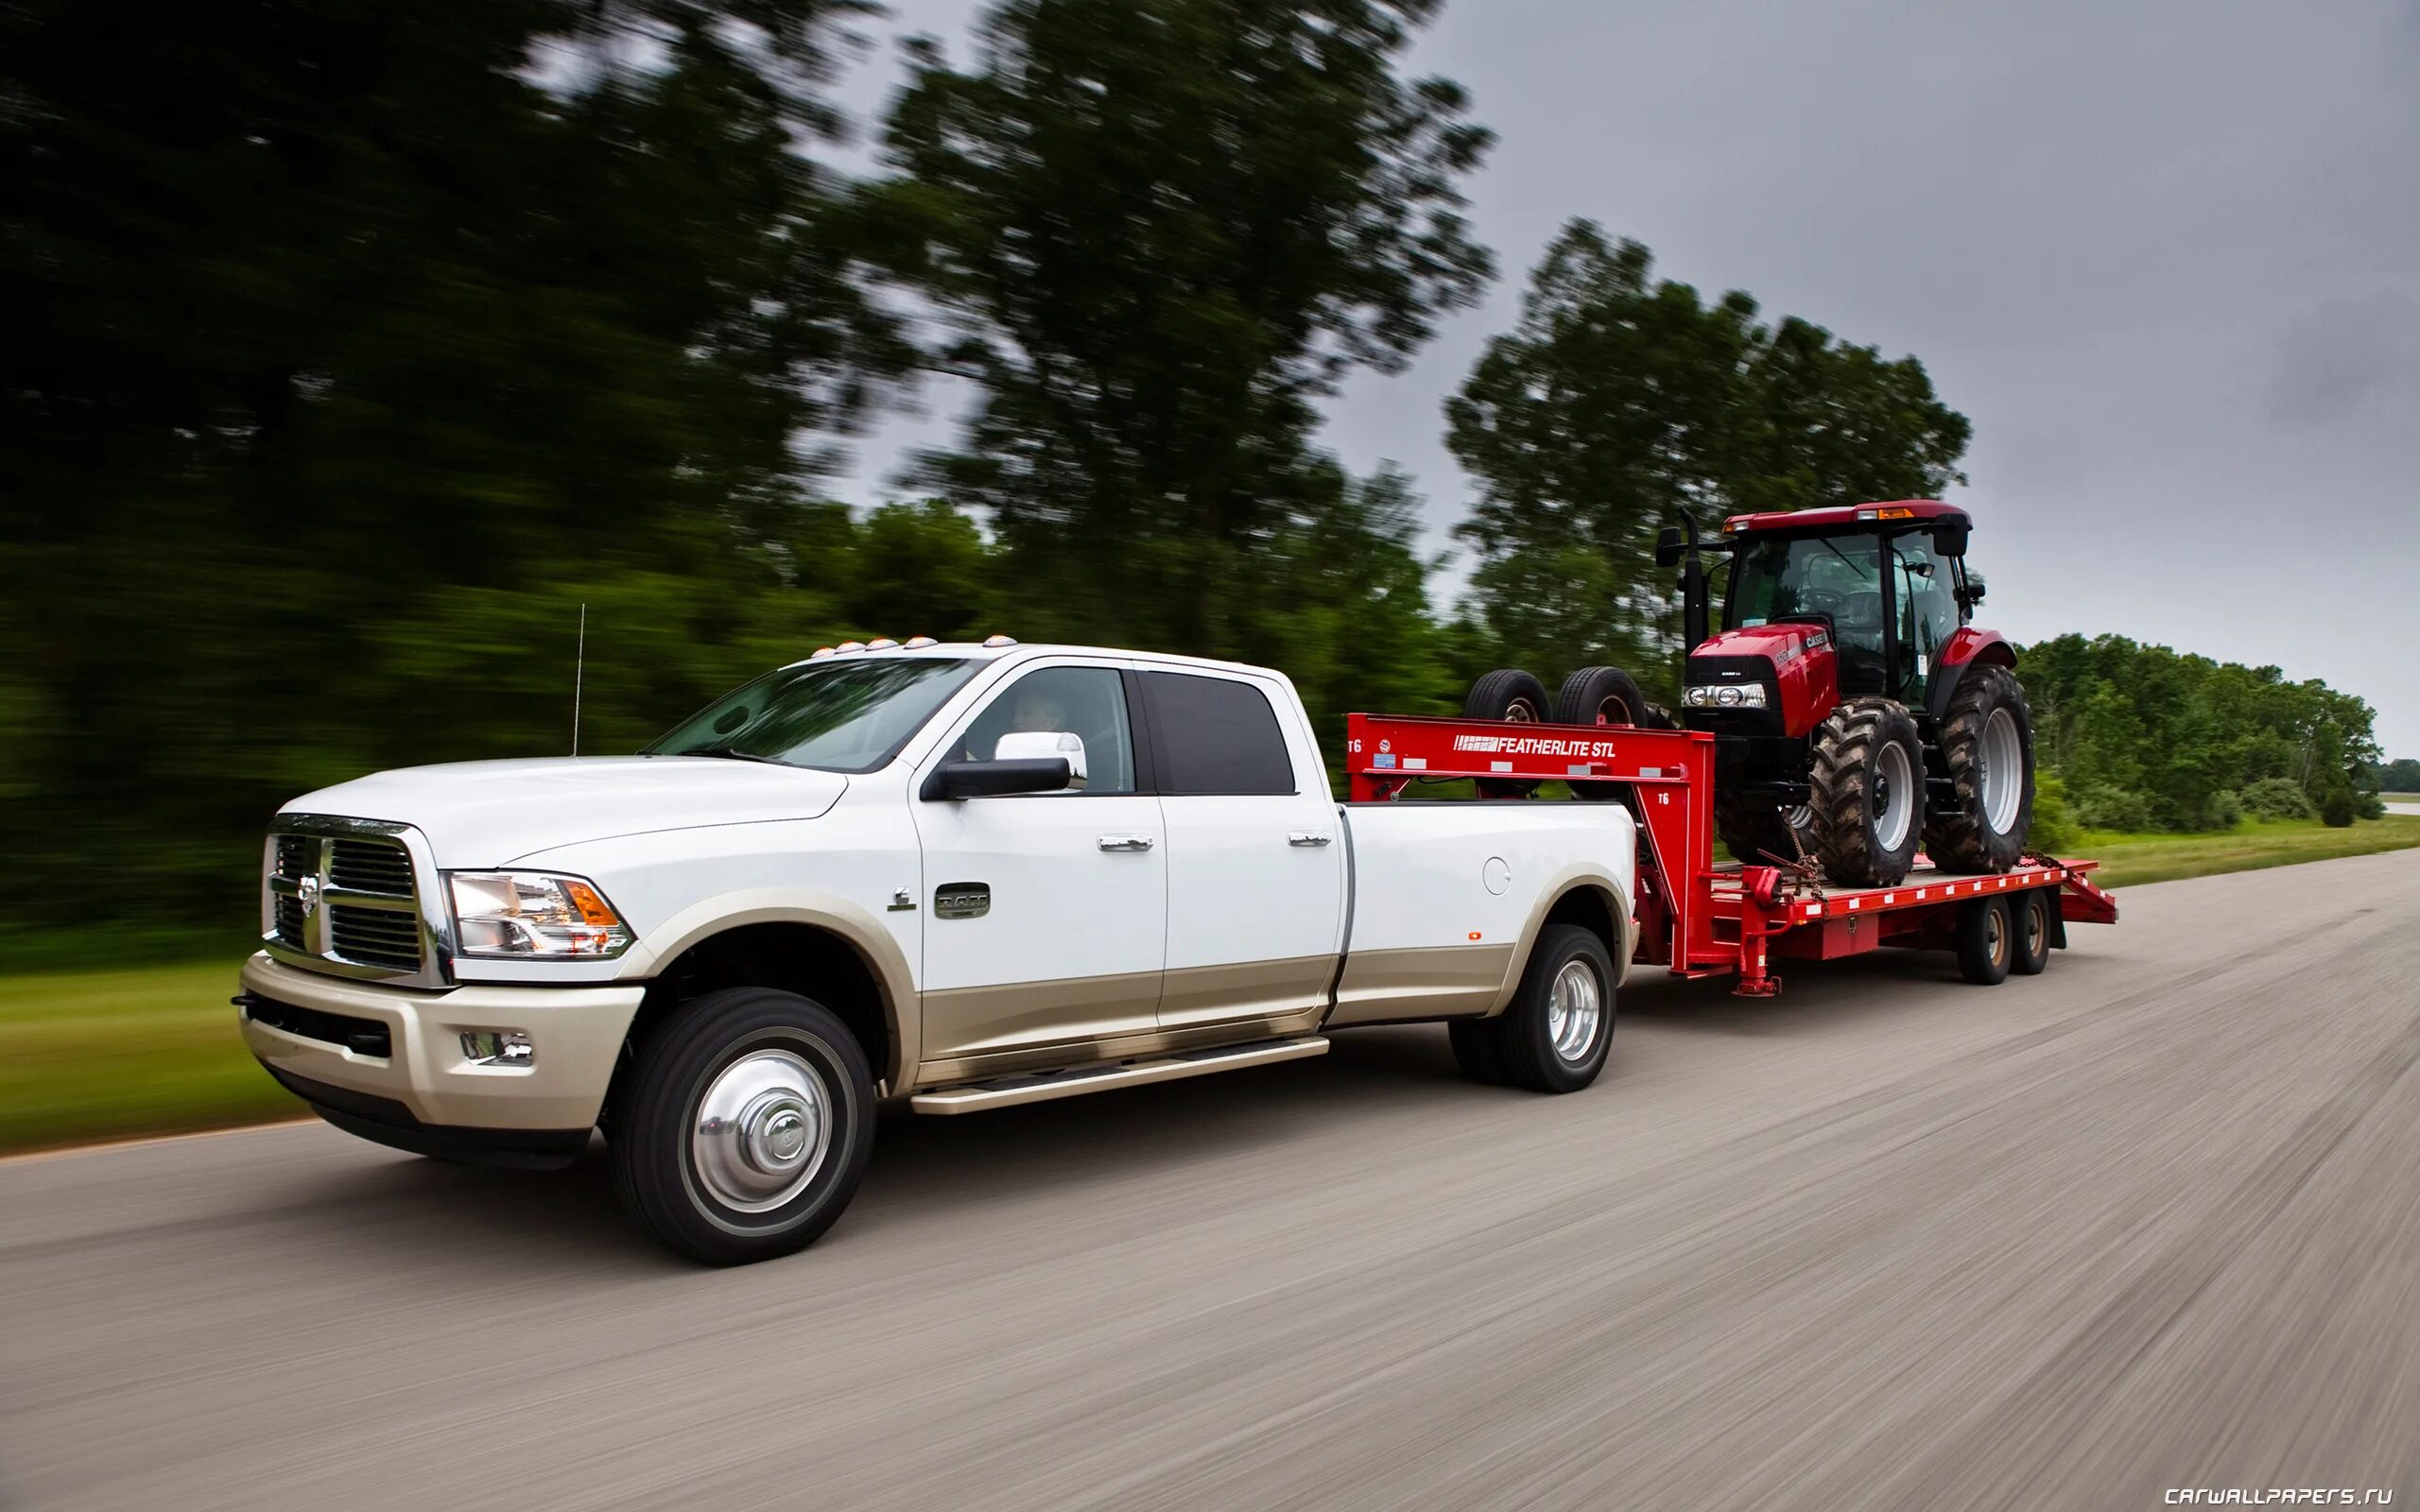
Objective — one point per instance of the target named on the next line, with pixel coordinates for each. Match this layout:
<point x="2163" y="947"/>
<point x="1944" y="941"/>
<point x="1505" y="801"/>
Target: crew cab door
<point x="1256" y="850"/>
<point x="1046" y="913"/>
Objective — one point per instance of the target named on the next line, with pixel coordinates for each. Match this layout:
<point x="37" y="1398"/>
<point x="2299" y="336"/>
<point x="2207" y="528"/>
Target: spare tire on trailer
<point x="1512" y="696"/>
<point x="1987" y="752"/>
<point x="1607" y="697"/>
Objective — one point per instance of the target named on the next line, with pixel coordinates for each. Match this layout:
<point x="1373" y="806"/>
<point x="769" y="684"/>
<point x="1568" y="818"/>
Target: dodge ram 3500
<point x="963" y="876"/>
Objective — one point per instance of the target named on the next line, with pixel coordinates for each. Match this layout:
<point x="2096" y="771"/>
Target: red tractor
<point x="1856" y="712"/>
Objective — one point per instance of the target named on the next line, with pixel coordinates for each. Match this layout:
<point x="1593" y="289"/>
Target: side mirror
<point x="952" y="781"/>
<point x="1668" y="546"/>
<point x="1949" y="534"/>
<point x="1043" y="744"/>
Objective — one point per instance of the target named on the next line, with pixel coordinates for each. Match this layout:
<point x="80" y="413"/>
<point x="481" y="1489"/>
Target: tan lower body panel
<point x="978" y="1023"/>
<point x="1017" y="1091"/>
<point x="1191" y="995"/>
<point x="1435" y="982"/>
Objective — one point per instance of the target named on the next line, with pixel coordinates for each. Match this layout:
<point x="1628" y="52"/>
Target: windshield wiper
<point x="729" y="754"/>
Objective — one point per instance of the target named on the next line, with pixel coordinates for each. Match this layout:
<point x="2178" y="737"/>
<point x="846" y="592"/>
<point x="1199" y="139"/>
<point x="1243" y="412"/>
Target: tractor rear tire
<point x="1868" y="793"/>
<point x="1602" y="695"/>
<point x="1756" y="834"/>
<point x="1986" y="731"/>
<point x="1512" y="696"/>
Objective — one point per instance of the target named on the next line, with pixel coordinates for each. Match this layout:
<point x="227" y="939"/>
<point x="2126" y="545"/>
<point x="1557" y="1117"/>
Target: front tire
<point x="1868" y="793"/>
<point x="748" y="1126"/>
<point x="1987" y="745"/>
<point x="1756" y="834"/>
<point x="1554" y="1036"/>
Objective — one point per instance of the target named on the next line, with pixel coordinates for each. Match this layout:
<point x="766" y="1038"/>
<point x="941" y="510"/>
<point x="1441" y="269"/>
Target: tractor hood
<point x="1777" y="643"/>
<point x="489" y="814"/>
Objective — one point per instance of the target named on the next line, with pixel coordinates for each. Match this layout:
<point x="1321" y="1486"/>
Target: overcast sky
<point x="2165" y="254"/>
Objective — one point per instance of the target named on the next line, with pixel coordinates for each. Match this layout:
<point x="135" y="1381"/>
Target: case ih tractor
<point x="1856" y="712"/>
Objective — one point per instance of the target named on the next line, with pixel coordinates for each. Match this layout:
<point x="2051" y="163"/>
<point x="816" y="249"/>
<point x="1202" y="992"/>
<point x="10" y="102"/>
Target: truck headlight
<point x="1724" y="695"/>
<point x="519" y="915"/>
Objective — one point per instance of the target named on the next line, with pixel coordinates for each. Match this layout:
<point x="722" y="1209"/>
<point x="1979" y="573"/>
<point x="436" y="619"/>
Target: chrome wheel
<point x="1575" y="1012"/>
<point x="1895" y="798"/>
<point x="2001" y="767"/>
<point x="760" y="1130"/>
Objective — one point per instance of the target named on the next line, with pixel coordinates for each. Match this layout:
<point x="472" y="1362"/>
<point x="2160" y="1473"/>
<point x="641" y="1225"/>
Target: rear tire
<point x="1986" y="940"/>
<point x="1554" y="1035"/>
<point x="1509" y="695"/>
<point x="1606" y="697"/>
<point x="1987" y="747"/>
<point x="750" y="1118"/>
<point x="1868" y="793"/>
<point x="2029" y="912"/>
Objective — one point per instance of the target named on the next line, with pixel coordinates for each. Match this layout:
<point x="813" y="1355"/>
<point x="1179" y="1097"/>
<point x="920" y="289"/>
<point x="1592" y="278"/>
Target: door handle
<point x="1126" y="842"/>
<point x="1306" y="837"/>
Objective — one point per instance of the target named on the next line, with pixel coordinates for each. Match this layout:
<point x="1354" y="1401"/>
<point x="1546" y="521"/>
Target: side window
<point x="1086" y="702"/>
<point x="1215" y="735"/>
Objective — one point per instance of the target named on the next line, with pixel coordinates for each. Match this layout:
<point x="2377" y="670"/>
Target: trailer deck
<point x="1696" y="918"/>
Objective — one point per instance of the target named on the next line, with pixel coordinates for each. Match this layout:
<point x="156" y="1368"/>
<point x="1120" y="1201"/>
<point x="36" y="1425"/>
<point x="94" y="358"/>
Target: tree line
<point x="351" y="353"/>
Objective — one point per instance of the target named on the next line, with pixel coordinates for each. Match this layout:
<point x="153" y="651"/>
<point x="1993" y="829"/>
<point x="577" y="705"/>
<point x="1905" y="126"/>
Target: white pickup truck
<point x="963" y="876"/>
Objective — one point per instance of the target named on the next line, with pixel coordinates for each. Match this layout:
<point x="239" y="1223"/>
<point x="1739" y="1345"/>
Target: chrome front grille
<point x="344" y="896"/>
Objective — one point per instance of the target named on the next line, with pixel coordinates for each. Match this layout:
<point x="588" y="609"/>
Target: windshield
<point x="842" y="716"/>
<point x="1781" y="576"/>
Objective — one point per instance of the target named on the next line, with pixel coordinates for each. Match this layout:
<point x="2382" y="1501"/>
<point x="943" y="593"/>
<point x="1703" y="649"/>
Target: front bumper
<point x="361" y="1053"/>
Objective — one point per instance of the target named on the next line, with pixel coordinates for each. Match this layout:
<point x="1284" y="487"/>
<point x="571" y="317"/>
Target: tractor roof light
<point x="1895" y="512"/>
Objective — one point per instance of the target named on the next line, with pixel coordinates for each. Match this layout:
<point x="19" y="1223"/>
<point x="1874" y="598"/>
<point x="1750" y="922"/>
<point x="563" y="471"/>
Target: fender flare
<point x="1968" y="648"/>
<point x="902" y="1008"/>
<point x="1561" y="886"/>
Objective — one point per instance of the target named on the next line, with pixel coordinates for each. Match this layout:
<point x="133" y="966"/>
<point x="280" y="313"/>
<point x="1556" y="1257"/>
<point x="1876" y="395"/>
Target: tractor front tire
<point x="1868" y="794"/>
<point x="1512" y="696"/>
<point x="1757" y="835"/>
<point x="1987" y="745"/>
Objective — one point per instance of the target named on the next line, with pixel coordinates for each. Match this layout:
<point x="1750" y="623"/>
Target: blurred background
<point x="350" y="351"/>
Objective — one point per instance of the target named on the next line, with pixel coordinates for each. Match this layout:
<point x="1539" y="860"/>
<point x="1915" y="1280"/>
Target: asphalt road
<point x="2150" y="1220"/>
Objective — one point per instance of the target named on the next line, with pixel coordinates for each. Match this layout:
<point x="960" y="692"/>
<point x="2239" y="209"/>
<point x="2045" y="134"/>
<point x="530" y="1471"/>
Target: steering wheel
<point x="1823" y="601"/>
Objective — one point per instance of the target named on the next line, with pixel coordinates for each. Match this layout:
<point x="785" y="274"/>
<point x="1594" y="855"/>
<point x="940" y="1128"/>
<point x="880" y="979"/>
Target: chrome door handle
<point x="1306" y="837"/>
<point x="1126" y="842"/>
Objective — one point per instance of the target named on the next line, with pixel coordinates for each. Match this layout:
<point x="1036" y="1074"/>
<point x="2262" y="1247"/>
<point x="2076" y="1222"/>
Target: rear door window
<point x="1215" y="735"/>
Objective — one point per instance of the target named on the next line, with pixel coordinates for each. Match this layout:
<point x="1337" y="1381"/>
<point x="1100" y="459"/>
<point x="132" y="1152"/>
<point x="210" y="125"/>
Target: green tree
<point x="1621" y="399"/>
<point x="1159" y="231"/>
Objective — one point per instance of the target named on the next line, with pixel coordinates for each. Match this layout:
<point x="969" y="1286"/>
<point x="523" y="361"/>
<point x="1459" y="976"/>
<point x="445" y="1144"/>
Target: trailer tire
<point x="1607" y="697"/>
<point x="2029" y="913"/>
<point x="1509" y="695"/>
<point x="1986" y="730"/>
<point x="1474" y="1042"/>
<point x="787" y="1084"/>
<point x="1986" y="940"/>
<point x="1553" y="1036"/>
<point x="1868" y="792"/>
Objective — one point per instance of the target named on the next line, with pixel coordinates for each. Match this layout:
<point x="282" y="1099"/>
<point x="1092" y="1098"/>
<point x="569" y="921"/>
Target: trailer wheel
<point x="1603" y="696"/>
<point x="1868" y="793"/>
<point x="747" y="1127"/>
<point x="1986" y="940"/>
<point x="1512" y="696"/>
<point x="2031" y="913"/>
<point x="1474" y="1042"/>
<point x="1554" y="1035"/>
<point x="1987" y="747"/>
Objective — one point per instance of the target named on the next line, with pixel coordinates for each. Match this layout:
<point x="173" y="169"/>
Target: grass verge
<point x="89" y="1055"/>
<point x="2133" y="859"/>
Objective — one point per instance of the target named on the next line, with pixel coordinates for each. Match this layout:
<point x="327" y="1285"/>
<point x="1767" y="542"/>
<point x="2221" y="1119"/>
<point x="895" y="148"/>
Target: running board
<point x="1010" y="1092"/>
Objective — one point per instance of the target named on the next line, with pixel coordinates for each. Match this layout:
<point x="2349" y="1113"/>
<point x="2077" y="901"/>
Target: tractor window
<point x="1837" y="579"/>
<point x="1927" y="610"/>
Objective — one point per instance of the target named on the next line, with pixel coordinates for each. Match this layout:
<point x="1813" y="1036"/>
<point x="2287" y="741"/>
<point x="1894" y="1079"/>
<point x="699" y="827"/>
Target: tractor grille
<point x="350" y="901"/>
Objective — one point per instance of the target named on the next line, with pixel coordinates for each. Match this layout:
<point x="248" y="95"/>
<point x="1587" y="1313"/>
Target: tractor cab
<point x="1887" y="585"/>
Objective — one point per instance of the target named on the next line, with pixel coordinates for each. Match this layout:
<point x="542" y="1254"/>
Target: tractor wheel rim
<point x="761" y="1131"/>
<point x="2001" y="769"/>
<point x="1575" y="1009"/>
<point x="1894" y="796"/>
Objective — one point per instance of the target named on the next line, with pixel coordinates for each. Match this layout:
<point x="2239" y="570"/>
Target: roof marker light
<point x="994" y="642"/>
<point x="820" y="652"/>
<point x="882" y="643"/>
<point x="917" y="643"/>
<point x="848" y="647"/>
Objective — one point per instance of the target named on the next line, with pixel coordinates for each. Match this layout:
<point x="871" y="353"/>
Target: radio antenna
<point x="578" y="666"/>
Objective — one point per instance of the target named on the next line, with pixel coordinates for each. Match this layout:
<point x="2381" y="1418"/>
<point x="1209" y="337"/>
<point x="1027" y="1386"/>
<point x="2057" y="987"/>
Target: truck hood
<point x="487" y="813"/>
